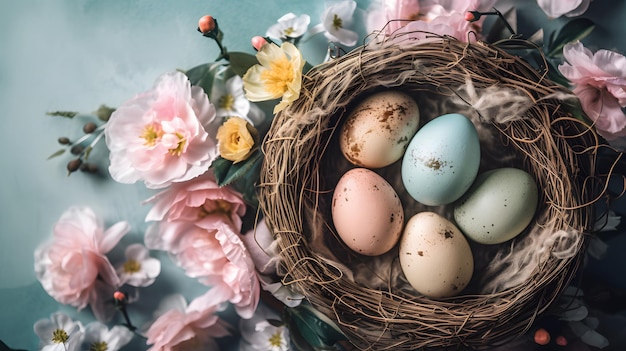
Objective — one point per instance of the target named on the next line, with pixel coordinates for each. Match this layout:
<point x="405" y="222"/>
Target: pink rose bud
<point x="472" y="16"/>
<point x="542" y="337"/>
<point x="206" y="24"/>
<point x="119" y="296"/>
<point x="561" y="341"/>
<point x="258" y="42"/>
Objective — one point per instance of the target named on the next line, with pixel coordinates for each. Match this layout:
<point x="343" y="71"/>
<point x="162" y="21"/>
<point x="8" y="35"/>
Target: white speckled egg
<point x="498" y="206"/>
<point x="377" y="132"/>
<point x="367" y="212"/>
<point x="442" y="160"/>
<point x="435" y="256"/>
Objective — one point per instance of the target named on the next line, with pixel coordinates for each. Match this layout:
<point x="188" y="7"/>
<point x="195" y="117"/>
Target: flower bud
<point x="206" y="24"/>
<point x="74" y="165"/>
<point x="119" y="296"/>
<point x="104" y="112"/>
<point x="89" y="168"/>
<point x="472" y="16"/>
<point x="77" y="149"/>
<point x="89" y="127"/>
<point x="63" y="141"/>
<point x="542" y="337"/>
<point x="258" y="42"/>
<point x="561" y="341"/>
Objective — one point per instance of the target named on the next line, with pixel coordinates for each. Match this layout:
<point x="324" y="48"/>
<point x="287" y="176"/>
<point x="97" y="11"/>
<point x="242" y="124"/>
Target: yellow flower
<point x="279" y="75"/>
<point x="235" y="139"/>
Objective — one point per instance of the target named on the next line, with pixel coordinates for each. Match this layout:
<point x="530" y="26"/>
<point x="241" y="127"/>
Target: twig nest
<point x="521" y="120"/>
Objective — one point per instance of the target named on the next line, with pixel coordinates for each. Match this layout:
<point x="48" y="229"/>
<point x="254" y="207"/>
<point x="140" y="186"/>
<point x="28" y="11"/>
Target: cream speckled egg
<point x="435" y="256"/>
<point x="378" y="130"/>
<point x="367" y="212"/>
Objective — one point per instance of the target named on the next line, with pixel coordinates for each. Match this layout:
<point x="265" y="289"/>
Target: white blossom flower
<point x="259" y="334"/>
<point x="229" y="98"/>
<point x="139" y="269"/>
<point x="289" y="26"/>
<point x="99" y="338"/>
<point x="281" y="292"/>
<point x="568" y="8"/>
<point x="59" y="333"/>
<point x="336" y="18"/>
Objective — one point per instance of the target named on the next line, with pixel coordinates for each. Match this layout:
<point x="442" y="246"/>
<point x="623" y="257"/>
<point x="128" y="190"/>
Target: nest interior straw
<point x="297" y="177"/>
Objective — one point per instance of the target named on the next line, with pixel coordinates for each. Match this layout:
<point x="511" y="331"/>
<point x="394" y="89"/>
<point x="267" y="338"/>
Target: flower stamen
<point x="227" y="102"/>
<point x="275" y="339"/>
<point x="132" y="266"/>
<point x="151" y="135"/>
<point x="59" y="336"/>
<point x="337" y="22"/>
<point x="278" y="76"/>
<point x="180" y="147"/>
<point x="99" y="346"/>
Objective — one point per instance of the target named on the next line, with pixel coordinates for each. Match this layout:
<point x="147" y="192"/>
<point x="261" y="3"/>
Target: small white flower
<point x="289" y="26"/>
<point x="229" y="98"/>
<point x="139" y="269"/>
<point x="99" y="338"/>
<point x="59" y="333"/>
<point x="280" y="292"/>
<point x="336" y="18"/>
<point x="259" y="334"/>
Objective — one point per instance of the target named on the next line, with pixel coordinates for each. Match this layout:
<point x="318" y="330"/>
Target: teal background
<point x="78" y="54"/>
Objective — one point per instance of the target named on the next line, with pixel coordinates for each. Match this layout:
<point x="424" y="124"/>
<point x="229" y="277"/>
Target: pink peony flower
<point x="179" y="326"/>
<point x="73" y="268"/>
<point x="216" y="257"/>
<point x="558" y="8"/>
<point x="421" y="17"/>
<point x="599" y="81"/>
<point x="159" y="136"/>
<point x="200" y="201"/>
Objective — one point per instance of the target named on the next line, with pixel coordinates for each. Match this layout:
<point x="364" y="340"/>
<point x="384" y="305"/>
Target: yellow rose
<point x="235" y="139"/>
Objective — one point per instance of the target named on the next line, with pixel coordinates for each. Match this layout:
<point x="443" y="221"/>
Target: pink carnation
<point x="216" y="257"/>
<point x="599" y="81"/>
<point x="200" y="201"/>
<point x="73" y="268"/>
<point x="160" y="136"/>
<point x="569" y="8"/>
<point x="186" y="327"/>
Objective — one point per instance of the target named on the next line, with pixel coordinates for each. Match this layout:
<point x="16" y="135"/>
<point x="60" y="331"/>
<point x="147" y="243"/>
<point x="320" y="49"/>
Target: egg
<point x="435" y="257"/>
<point x="498" y="206"/>
<point x="367" y="212"/>
<point x="442" y="160"/>
<point x="377" y="131"/>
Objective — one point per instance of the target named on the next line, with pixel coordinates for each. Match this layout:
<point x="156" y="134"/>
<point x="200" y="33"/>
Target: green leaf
<point x="573" y="30"/>
<point x="204" y="75"/>
<point x="57" y="153"/>
<point x="240" y="62"/>
<point x="67" y="114"/>
<point x="316" y="329"/>
<point x="227" y="172"/>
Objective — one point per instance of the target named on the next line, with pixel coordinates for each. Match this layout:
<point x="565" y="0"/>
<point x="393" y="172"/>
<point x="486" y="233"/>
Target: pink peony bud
<point x="258" y="42"/>
<point x="206" y="24"/>
<point x="561" y="341"/>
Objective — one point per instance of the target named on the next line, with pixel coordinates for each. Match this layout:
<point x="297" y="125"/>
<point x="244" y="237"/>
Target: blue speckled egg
<point x="442" y="160"/>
